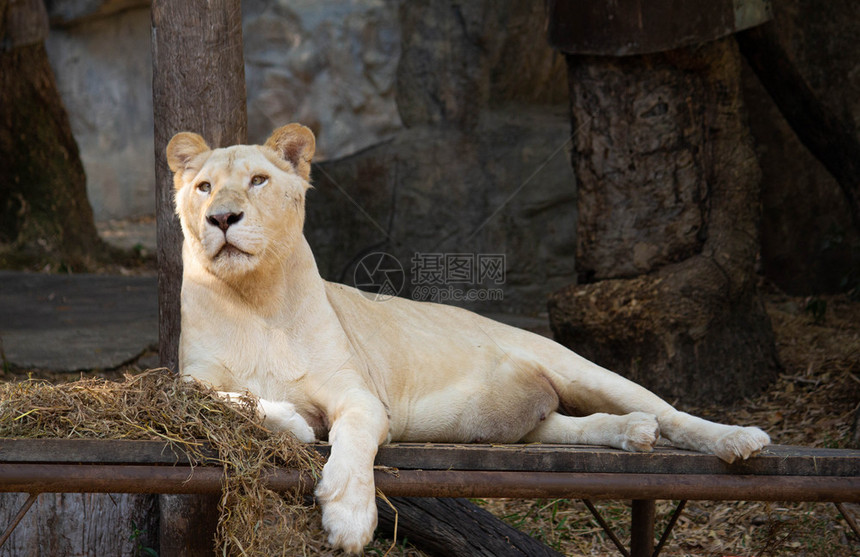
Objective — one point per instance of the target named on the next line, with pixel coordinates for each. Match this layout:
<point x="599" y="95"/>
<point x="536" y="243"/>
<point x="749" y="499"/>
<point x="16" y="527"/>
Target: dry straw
<point x="156" y="405"/>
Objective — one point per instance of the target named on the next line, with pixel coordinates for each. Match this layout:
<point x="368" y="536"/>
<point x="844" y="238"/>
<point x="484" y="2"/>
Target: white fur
<point x="279" y="415"/>
<point x="328" y="361"/>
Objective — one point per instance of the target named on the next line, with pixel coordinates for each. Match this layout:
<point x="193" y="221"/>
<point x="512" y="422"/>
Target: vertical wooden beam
<point x="187" y="525"/>
<point x="642" y="528"/>
<point x="198" y="84"/>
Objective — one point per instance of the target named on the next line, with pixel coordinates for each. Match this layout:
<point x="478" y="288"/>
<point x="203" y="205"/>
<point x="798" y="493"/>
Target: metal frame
<point x="433" y="470"/>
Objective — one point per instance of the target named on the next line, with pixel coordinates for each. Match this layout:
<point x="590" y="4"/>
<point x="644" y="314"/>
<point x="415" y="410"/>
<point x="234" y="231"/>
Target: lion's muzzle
<point x="224" y="220"/>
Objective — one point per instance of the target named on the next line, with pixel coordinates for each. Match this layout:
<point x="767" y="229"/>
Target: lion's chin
<point x="232" y="262"/>
<point x="230" y="251"/>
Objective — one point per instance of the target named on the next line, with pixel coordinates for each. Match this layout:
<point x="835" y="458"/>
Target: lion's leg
<point x="346" y="490"/>
<point x="729" y="442"/>
<point x="278" y="415"/>
<point x="636" y="431"/>
<point x="589" y="388"/>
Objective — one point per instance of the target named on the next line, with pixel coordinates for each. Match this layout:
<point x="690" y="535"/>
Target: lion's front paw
<point x="741" y="442"/>
<point x="348" y="507"/>
<point x="282" y="416"/>
<point x="641" y="432"/>
<point x="349" y="524"/>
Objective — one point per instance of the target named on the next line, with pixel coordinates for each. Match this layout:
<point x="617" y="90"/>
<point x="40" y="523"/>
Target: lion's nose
<point x="224" y="220"/>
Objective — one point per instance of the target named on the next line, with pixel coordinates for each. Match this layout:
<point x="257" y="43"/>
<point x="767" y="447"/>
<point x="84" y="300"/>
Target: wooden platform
<point x="442" y="470"/>
<point x="778" y="473"/>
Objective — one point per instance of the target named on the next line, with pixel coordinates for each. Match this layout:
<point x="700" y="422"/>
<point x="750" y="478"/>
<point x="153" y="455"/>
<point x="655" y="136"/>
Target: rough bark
<point x="120" y="524"/>
<point x="669" y="209"/>
<point x="198" y="85"/>
<point x="45" y="217"/>
<point x="456" y="527"/>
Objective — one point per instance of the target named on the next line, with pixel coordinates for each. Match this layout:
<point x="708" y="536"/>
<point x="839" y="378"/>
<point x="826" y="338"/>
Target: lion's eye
<point x="259" y="180"/>
<point x="204" y="187"/>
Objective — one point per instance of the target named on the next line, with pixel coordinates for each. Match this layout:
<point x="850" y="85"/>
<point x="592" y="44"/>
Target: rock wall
<point x="434" y="193"/>
<point x="444" y="121"/>
<point x="328" y="64"/>
<point x="104" y="74"/>
<point x="335" y="66"/>
<point x="480" y="170"/>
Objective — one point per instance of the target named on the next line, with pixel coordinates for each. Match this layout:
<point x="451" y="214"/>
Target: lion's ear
<point x="295" y="143"/>
<point x="182" y="148"/>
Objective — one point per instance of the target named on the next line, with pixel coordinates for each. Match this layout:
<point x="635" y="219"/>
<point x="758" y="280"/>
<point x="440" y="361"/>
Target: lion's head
<point x="241" y="206"/>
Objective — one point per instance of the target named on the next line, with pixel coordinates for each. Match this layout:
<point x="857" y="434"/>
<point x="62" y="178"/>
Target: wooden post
<point x="198" y="84"/>
<point x="669" y="202"/>
<point x="642" y="528"/>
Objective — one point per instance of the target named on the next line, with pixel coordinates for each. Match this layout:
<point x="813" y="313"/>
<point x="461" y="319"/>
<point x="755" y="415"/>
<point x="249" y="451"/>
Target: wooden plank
<point x="775" y="460"/>
<point x="91" y="451"/>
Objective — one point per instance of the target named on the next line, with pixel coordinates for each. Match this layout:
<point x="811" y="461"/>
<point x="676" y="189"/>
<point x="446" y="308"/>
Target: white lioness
<point x="328" y="361"/>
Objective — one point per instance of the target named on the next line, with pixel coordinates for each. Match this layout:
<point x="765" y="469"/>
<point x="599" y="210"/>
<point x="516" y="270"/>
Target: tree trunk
<point x="456" y="528"/>
<point x="121" y="524"/>
<point x="198" y="84"/>
<point x="45" y="217"/>
<point x="668" y="225"/>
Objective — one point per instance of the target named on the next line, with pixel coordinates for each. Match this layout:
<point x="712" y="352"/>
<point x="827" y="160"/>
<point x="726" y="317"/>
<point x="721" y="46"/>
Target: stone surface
<point x="103" y="70"/>
<point x="488" y="175"/>
<point x="328" y="64"/>
<point x="480" y="171"/>
<point x="459" y="57"/>
<point x="505" y="189"/>
<point x="76" y="322"/>
<point x="334" y="65"/>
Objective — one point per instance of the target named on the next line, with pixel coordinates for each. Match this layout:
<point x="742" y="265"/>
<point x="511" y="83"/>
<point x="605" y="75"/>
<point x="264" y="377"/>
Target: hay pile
<point x="156" y="405"/>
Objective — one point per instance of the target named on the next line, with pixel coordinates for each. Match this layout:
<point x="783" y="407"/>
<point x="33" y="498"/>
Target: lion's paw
<point x="282" y="416"/>
<point x="741" y="442"/>
<point x="349" y="524"/>
<point x="348" y="507"/>
<point x="641" y="432"/>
